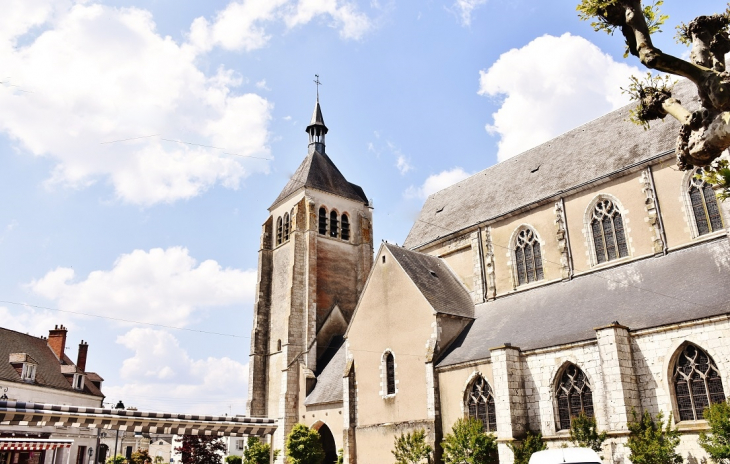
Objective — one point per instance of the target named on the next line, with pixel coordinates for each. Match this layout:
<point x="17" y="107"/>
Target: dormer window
<point x="78" y="383"/>
<point x="28" y="373"/>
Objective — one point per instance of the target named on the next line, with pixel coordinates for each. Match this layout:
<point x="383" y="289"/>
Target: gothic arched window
<point x="480" y="404"/>
<point x="345" y="227"/>
<point x="334" y="223"/>
<point x="704" y="205"/>
<point x="286" y="226"/>
<point x="528" y="259"/>
<point x="697" y="383"/>
<point x="607" y="228"/>
<point x="322" y="221"/>
<point x="279" y="230"/>
<point x="389" y="373"/>
<point x="574" y="395"/>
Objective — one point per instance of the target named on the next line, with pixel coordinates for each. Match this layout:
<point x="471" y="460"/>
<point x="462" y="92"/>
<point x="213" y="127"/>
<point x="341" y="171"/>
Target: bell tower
<point x="316" y="251"/>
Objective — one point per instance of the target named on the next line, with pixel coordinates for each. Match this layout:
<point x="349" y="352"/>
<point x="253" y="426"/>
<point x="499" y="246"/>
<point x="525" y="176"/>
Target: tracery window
<point x="697" y="383"/>
<point x="345" y="227"/>
<point x="607" y="227"/>
<point x="704" y="205"/>
<point x="480" y="404"/>
<point x="322" y="221"/>
<point x="528" y="259"/>
<point x="279" y="230"/>
<point x="390" y="373"/>
<point x="286" y="226"/>
<point x="334" y="224"/>
<point x="574" y="396"/>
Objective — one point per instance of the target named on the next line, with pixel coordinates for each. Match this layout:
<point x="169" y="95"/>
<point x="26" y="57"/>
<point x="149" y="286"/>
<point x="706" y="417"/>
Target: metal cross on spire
<point x="316" y="81"/>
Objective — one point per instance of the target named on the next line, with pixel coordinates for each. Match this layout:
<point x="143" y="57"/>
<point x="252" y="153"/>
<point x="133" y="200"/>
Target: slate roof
<point x="317" y="171"/>
<point x="598" y="148"/>
<point x="48" y="372"/>
<point x="684" y="285"/>
<point x="443" y="290"/>
<point x="317" y="119"/>
<point x="329" y="379"/>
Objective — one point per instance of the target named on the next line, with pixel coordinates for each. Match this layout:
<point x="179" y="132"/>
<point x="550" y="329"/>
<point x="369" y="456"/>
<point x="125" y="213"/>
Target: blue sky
<point x="416" y="95"/>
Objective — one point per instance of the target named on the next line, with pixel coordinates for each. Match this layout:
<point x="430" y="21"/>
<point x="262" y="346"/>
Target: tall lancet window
<point x="697" y="383"/>
<point x="704" y="206"/>
<point x="334" y="224"/>
<point x="389" y="362"/>
<point x="607" y="228"/>
<point x="286" y="226"/>
<point x="528" y="259"/>
<point x="279" y="230"/>
<point x="345" y="227"/>
<point x="480" y="404"/>
<point x="574" y="395"/>
<point x="322" y="221"/>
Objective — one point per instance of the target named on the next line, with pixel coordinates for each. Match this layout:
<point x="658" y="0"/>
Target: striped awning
<point x="42" y="415"/>
<point x="32" y="444"/>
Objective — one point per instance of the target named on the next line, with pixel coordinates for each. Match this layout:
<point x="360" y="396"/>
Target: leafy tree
<point x="340" y="456"/>
<point x="159" y="459"/>
<point x="303" y="446"/>
<point x="118" y="459"/>
<point x="233" y="459"/>
<point x="705" y="132"/>
<point x="468" y="443"/>
<point x="584" y="433"/>
<point x="201" y="449"/>
<point x="411" y="448"/>
<point x="257" y="452"/>
<point x="651" y="441"/>
<point x="717" y="442"/>
<point x="141" y="456"/>
<point x="531" y="444"/>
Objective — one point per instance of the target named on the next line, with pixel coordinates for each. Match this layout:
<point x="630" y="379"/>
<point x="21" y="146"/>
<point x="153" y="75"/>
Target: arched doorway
<point x="103" y="452"/>
<point x="328" y="443"/>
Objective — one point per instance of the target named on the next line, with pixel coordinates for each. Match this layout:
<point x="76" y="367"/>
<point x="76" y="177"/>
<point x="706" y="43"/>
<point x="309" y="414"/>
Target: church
<point x="587" y="274"/>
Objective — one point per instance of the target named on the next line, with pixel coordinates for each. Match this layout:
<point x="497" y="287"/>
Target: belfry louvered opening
<point x="345" y="227"/>
<point x="322" y="221"/>
<point x="334" y="224"/>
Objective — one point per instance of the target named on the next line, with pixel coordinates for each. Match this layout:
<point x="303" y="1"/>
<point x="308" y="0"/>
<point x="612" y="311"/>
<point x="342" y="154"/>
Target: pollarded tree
<point x="705" y="133"/>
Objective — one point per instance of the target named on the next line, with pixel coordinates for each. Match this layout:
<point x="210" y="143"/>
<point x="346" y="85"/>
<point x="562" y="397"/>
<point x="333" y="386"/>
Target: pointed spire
<point x="316" y="128"/>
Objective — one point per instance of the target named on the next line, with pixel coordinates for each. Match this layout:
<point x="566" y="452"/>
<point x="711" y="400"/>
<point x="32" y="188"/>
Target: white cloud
<point x="161" y="375"/>
<point x="437" y="182"/>
<point x="95" y="74"/>
<point x="550" y="86"/>
<point x="33" y="321"/>
<point x="403" y="165"/>
<point x="465" y="8"/>
<point x="352" y="23"/>
<point x="160" y="286"/>
<point x="262" y="85"/>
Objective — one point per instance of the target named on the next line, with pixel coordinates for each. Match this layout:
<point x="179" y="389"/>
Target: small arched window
<point x="480" y="404"/>
<point x="389" y="373"/>
<point x="279" y="230"/>
<point x="278" y="345"/>
<point x="704" y="205"/>
<point x="286" y="226"/>
<point x="334" y="224"/>
<point x="322" y="221"/>
<point x="574" y="395"/>
<point x="607" y="228"/>
<point x="345" y="226"/>
<point x="697" y="383"/>
<point x="528" y="259"/>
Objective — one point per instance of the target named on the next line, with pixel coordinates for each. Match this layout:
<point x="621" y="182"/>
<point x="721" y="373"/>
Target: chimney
<point x="57" y="341"/>
<point x="81" y="359"/>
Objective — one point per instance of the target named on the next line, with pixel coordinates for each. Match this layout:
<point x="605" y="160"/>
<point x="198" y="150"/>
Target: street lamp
<point x="119" y="405"/>
<point x="91" y="453"/>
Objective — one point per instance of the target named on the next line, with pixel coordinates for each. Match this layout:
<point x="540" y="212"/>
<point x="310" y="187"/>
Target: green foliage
<point x="411" y="448"/>
<point x="141" y="456"/>
<point x="468" y="443"/>
<point x="118" y="459"/>
<point x="160" y="460"/>
<point x="303" y="446"/>
<point x="654" y="19"/>
<point x="340" y="456"/>
<point x="257" y="452"/>
<point x="721" y="20"/>
<point x="648" y="92"/>
<point x="651" y="441"/>
<point x="531" y="444"/>
<point x="584" y="433"/>
<point x="200" y="449"/>
<point x="718" y="175"/>
<point x="233" y="459"/>
<point x="717" y="442"/>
